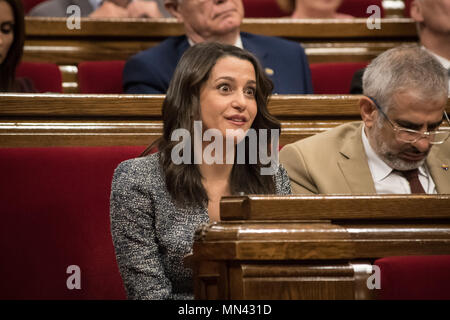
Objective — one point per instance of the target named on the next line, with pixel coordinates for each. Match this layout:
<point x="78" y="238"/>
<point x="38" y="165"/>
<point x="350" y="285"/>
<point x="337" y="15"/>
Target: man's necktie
<point x="413" y="178"/>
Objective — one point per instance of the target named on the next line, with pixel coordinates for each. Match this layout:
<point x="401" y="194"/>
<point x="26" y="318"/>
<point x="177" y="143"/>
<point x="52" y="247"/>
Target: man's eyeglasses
<point x="412" y="136"/>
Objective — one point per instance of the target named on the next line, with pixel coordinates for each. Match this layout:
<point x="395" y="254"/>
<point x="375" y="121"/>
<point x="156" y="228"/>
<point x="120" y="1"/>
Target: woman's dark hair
<point x="9" y="65"/>
<point x="181" y="108"/>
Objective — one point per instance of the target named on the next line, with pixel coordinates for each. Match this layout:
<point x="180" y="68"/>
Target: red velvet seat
<point x="333" y="78"/>
<point x="407" y="8"/>
<point x="100" y="76"/>
<point x="55" y="213"/>
<point x="262" y="9"/>
<point x="270" y="8"/>
<point x="414" y="277"/>
<point x="45" y="76"/>
<point x="358" y="8"/>
<point x="30" y="4"/>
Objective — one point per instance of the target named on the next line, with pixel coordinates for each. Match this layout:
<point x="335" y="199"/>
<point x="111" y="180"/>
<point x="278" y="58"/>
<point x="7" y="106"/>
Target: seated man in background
<point x="313" y="9"/>
<point x="284" y="61"/>
<point x="433" y="28"/>
<point x="102" y="9"/>
<point x="398" y="146"/>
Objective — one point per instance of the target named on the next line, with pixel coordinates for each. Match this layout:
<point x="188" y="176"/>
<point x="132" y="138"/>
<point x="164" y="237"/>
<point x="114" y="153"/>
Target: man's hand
<point x="143" y="9"/>
<point x="109" y="10"/>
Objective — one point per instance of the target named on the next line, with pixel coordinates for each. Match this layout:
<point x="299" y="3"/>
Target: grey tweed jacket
<point x="151" y="235"/>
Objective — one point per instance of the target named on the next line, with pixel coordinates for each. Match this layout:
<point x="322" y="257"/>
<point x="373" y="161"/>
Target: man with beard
<point x="284" y="61"/>
<point x="433" y="28"/>
<point x="398" y="147"/>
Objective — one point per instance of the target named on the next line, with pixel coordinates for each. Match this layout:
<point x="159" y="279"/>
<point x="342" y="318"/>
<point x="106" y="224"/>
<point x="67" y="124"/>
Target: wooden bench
<point x="49" y="39"/>
<point x="42" y="120"/>
<point x="312" y="247"/>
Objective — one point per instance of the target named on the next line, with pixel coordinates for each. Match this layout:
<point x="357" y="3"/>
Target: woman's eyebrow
<point x="224" y="78"/>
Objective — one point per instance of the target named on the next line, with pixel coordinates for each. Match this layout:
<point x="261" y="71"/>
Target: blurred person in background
<point x="150" y="71"/>
<point x="433" y="28"/>
<point x="102" y="9"/>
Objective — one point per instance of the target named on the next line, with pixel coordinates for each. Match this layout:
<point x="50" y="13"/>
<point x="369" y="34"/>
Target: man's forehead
<point x="410" y="102"/>
<point x="416" y="96"/>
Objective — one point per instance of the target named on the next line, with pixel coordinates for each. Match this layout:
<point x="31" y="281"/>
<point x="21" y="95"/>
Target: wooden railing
<point x="28" y="120"/>
<point x="50" y="40"/>
<point x="313" y="247"/>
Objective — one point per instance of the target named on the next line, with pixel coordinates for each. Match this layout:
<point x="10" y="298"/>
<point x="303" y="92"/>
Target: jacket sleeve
<point x="292" y="159"/>
<point x="306" y="72"/>
<point x="134" y="237"/>
<point x="141" y="77"/>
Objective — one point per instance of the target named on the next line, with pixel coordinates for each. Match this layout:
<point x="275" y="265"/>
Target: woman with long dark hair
<point x="12" y="37"/>
<point x="220" y="94"/>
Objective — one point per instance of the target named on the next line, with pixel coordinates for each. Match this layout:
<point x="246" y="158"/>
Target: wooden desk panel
<point x="96" y="120"/>
<point x="319" y="251"/>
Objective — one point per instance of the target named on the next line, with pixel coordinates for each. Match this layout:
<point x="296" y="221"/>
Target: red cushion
<point x="333" y="78"/>
<point x="30" y="4"/>
<point x="358" y="8"/>
<point x="415" y="277"/>
<point x="55" y="213"/>
<point x="270" y="8"/>
<point x="100" y="76"/>
<point x="45" y="76"/>
<point x="407" y="8"/>
<point x="262" y="9"/>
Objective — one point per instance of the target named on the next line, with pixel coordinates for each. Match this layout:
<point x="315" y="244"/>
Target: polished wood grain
<point x="50" y="40"/>
<point x="28" y="120"/>
<point x="323" y="250"/>
<point x="316" y="207"/>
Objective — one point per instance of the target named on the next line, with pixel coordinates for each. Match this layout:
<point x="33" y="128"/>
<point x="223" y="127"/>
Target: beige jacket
<point x="334" y="162"/>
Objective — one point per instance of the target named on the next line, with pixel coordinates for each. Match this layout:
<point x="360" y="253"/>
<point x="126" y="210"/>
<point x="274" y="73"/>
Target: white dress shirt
<point x="387" y="181"/>
<point x="237" y="44"/>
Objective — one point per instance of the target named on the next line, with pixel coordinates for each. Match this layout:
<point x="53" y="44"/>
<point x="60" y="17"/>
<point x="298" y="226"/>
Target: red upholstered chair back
<point x="100" y="76"/>
<point x="358" y="8"/>
<point x="45" y="76"/>
<point x="30" y="4"/>
<point x="414" y="277"/>
<point x="262" y="9"/>
<point x="270" y="8"/>
<point x="407" y="8"/>
<point x="334" y="78"/>
<point x="54" y="214"/>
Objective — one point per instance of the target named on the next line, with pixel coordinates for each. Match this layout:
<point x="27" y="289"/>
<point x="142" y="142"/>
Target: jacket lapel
<point x="354" y="166"/>
<point x="436" y="165"/>
<point x="259" y="50"/>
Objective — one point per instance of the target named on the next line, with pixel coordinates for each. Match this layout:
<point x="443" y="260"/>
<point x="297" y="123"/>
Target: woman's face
<point x="6" y="29"/>
<point x="227" y="98"/>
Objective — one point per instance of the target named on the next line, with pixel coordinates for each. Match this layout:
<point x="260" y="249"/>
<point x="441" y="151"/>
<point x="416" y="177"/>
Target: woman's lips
<point x="237" y="120"/>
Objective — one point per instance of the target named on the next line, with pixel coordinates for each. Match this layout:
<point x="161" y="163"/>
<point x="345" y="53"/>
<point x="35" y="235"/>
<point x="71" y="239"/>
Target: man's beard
<point x="395" y="162"/>
<point x="391" y="158"/>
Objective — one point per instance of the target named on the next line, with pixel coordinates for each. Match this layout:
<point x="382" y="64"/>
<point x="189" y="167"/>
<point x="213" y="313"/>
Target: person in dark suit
<point x="284" y="61"/>
<point x="158" y="202"/>
<point x="102" y="9"/>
